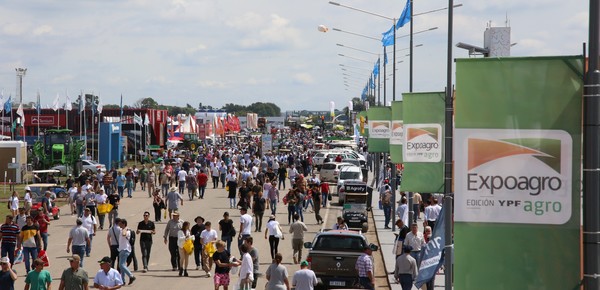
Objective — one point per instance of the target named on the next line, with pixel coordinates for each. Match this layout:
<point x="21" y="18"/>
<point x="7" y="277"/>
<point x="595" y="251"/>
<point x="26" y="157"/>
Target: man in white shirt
<point x="208" y="235"/>
<point x="415" y="240"/>
<point x="107" y="277"/>
<point x="124" y="251"/>
<point x="245" y="227"/>
<point x="432" y="213"/>
<point x="181" y="177"/>
<point x="89" y="222"/>
<point x="402" y="210"/>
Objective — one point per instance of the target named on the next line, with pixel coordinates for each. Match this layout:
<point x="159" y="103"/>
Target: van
<point x="331" y="170"/>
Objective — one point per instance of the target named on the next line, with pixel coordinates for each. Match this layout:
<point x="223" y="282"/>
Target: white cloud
<point x="304" y="78"/>
<point x="62" y="79"/>
<point x="14" y="29"/>
<point x="259" y="82"/>
<point x="196" y="49"/>
<point x="160" y="80"/>
<point x="43" y="29"/>
<point x="212" y="84"/>
<point x="275" y="32"/>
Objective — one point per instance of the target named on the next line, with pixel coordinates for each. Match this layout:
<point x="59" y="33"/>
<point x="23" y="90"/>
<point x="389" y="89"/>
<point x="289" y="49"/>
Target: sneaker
<point x="208" y="274"/>
<point x="174" y="269"/>
<point x="131" y="280"/>
<point x="197" y="267"/>
<point x="145" y="270"/>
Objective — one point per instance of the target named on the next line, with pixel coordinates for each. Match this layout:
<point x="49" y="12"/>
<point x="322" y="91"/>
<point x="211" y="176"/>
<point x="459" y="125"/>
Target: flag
<point x="94" y="106"/>
<point x="363" y="96"/>
<point x="138" y="119"/>
<point x="432" y="256"/>
<point x="146" y="120"/>
<point x="384" y="56"/>
<point x="350" y="106"/>
<point x="38" y="107"/>
<point x="405" y="16"/>
<point x="99" y="106"/>
<point x="371" y="83"/>
<point x="81" y="103"/>
<point x="55" y="103"/>
<point x="2" y="101"/>
<point x="388" y="37"/>
<point x="376" y="69"/>
<point x="8" y="105"/>
<point x="68" y="105"/>
<point x="21" y="113"/>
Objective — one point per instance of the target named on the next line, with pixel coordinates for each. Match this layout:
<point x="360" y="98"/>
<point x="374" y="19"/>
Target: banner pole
<point x="448" y="160"/>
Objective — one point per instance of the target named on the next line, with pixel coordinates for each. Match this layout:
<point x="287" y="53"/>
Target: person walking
<point x="253" y="252"/>
<point x="7" y="276"/>
<point x="246" y="269"/>
<point x="38" y="279"/>
<point x="192" y="184"/>
<point x="151" y="182"/>
<point x="214" y="173"/>
<point x="13" y="203"/>
<point x="291" y="199"/>
<point x="30" y="241"/>
<point x="9" y="233"/>
<point x="227" y="230"/>
<point x="107" y="278"/>
<point x="158" y="204"/>
<point x="145" y="230"/>
<point x="202" y="179"/>
<point x="170" y="235"/>
<point x="114" y="199"/>
<point x="196" y="231"/>
<point x="79" y="237"/>
<point x="174" y="198"/>
<point x="74" y="277"/>
<point x="101" y="198"/>
<point x="305" y="278"/>
<point x="258" y="208"/>
<point x="277" y="275"/>
<point x="316" y="196"/>
<point x="41" y="220"/>
<point x="183" y="235"/>
<point x="386" y="203"/>
<point x="364" y="266"/>
<point x="121" y="179"/>
<point x="112" y="238"/>
<point x="232" y="189"/>
<point x="405" y="270"/>
<point x="125" y="251"/>
<point x="245" y="227"/>
<point x="297" y="230"/>
<point x="416" y="241"/>
<point x="275" y="234"/>
<point x="181" y="179"/>
<point x="273" y="196"/>
<point x="129" y="182"/>
<point x="90" y="224"/>
<point x="163" y="177"/>
<point x="208" y="237"/>
<point x="223" y="264"/>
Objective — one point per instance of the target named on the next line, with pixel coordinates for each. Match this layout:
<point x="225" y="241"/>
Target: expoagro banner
<point x="423" y="144"/>
<point x="517" y="152"/>
<point x="380" y="129"/>
<point x="397" y="134"/>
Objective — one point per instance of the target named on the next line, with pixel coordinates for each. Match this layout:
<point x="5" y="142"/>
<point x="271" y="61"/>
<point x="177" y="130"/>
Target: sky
<point x="216" y="52"/>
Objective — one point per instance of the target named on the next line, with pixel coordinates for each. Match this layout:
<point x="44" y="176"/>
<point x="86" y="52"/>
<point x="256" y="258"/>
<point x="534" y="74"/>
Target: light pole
<point x="21" y="72"/>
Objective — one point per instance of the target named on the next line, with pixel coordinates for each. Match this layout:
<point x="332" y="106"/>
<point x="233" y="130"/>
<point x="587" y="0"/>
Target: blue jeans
<point x="365" y="282"/>
<point x="273" y="206"/>
<point x="129" y="186"/>
<point x="299" y="211"/>
<point x="88" y="248"/>
<point x="181" y="187"/>
<point x="80" y="208"/>
<point x="8" y="249"/>
<point x="123" y="265"/>
<point x="309" y="201"/>
<point x="387" y="212"/>
<point x="227" y="240"/>
<point x="281" y="181"/>
<point x="291" y="211"/>
<point x="79" y="250"/>
<point x="202" y="189"/>
<point x="44" y="239"/>
<point x="417" y="256"/>
<point x="324" y="199"/>
<point x="29" y="254"/>
<point x="121" y="189"/>
<point x="232" y="202"/>
<point x="165" y="189"/>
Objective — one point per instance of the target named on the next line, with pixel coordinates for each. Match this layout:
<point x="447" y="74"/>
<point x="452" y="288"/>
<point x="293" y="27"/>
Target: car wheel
<point x="365" y="227"/>
<point x="61" y="194"/>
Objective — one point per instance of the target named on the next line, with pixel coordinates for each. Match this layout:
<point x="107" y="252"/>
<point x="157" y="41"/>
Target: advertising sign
<point x="517" y="156"/>
<point x="380" y="129"/>
<point x="423" y="143"/>
<point x="397" y="134"/>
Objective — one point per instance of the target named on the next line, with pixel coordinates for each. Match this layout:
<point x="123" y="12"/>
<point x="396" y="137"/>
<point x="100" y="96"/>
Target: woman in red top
<point x="202" y="181"/>
<point x="42" y="221"/>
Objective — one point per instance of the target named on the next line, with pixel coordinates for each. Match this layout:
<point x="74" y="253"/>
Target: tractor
<point x="57" y="147"/>
<point x="191" y="142"/>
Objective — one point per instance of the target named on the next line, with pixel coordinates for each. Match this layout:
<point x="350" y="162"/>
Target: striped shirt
<point x="9" y="233"/>
<point x="364" y="264"/>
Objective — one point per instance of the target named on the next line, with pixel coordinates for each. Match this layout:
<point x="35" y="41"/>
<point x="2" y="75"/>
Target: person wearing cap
<point x="171" y="233"/>
<point x="79" y="237"/>
<point x="305" y="278"/>
<point x="196" y="231"/>
<point x="74" y="277"/>
<point x="27" y="200"/>
<point x="364" y="266"/>
<point x="174" y="199"/>
<point x="405" y="270"/>
<point x="38" y="279"/>
<point x="107" y="278"/>
<point x="275" y="233"/>
<point x="7" y="276"/>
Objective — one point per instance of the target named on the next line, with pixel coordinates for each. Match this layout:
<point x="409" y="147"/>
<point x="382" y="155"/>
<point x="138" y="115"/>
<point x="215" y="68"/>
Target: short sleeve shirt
<point x="74" y="279"/>
<point x="246" y="221"/>
<point x="110" y="279"/>
<point x="38" y="280"/>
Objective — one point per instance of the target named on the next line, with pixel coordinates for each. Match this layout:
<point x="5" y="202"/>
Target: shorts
<point x="221" y="279"/>
<point x="297" y="244"/>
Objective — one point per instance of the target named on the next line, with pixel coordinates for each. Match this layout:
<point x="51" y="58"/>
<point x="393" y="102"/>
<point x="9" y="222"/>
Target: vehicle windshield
<point x="349" y="175"/>
<point x="328" y="166"/>
<point x="330" y="242"/>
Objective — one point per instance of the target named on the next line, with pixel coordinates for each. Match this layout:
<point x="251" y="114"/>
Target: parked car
<point x="38" y="191"/>
<point x="331" y="170"/>
<point x="347" y="173"/>
<point x="332" y="256"/>
<point x="86" y="164"/>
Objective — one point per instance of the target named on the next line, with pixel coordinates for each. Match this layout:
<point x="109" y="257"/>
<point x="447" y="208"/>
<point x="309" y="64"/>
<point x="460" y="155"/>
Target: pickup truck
<point x="332" y="256"/>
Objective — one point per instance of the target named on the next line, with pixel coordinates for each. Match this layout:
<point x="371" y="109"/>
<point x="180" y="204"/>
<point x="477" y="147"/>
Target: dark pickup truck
<point x="332" y="256"/>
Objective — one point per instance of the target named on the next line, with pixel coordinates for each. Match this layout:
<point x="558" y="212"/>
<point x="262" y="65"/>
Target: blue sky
<point x="244" y="51"/>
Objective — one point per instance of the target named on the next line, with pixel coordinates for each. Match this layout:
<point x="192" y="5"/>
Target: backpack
<point x="132" y="237"/>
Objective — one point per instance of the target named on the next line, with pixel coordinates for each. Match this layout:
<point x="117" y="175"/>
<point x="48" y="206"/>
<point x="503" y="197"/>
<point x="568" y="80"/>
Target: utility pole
<point x="20" y="74"/>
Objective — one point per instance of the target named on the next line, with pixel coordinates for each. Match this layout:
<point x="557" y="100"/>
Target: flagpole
<point x="12" y="119"/>
<point x="58" y="112"/>
<point x="134" y="141"/>
<point x="84" y="127"/>
<point x="38" y="109"/>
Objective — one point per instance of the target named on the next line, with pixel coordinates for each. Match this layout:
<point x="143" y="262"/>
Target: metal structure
<point x="57" y="147"/>
<point x="20" y="74"/>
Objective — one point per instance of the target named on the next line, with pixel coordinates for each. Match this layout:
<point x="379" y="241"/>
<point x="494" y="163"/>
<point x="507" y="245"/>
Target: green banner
<point x="517" y="152"/>
<point x="379" y="129"/>
<point x="397" y="136"/>
<point x="423" y="146"/>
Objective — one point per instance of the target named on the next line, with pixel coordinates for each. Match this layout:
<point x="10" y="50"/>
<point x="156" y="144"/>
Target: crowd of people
<point x="253" y="184"/>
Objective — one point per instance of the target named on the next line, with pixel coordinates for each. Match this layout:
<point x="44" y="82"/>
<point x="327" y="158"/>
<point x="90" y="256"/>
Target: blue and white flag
<point x="405" y="16"/>
<point x="376" y="69"/>
<point x="388" y="37"/>
<point x="8" y="105"/>
<point x="432" y="256"/>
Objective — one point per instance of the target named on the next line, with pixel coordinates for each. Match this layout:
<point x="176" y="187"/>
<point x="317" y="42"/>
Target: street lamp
<point x="20" y="74"/>
<point x="355" y="58"/>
